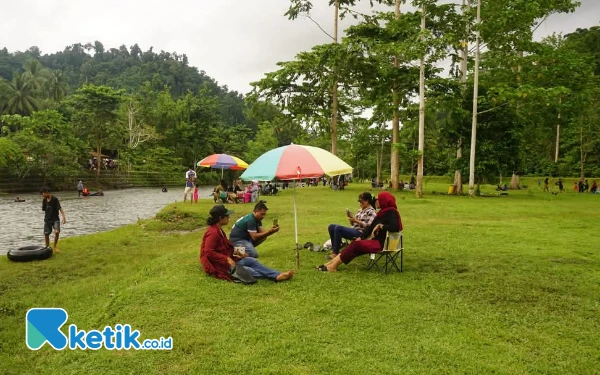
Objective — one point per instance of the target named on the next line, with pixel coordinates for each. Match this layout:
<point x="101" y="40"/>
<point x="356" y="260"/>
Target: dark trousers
<point x="337" y="232"/>
<point x="357" y="248"/>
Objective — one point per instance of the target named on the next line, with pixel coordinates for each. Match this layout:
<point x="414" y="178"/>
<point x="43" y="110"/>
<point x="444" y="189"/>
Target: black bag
<point x="240" y="274"/>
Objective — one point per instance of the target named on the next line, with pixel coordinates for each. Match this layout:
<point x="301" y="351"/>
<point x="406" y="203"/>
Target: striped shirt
<point x="366" y="217"/>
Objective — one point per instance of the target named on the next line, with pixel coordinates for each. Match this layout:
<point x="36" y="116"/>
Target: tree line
<point x="150" y="111"/>
<point x="407" y="91"/>
<point x="452" y="79"/>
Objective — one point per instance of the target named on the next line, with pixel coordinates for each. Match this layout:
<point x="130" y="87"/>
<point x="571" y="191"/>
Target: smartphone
<point x="275" y="223"/>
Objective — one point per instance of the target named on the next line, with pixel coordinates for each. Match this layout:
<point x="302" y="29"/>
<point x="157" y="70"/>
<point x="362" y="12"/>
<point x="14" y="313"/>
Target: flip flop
<point x="322" y="268"/>
<point x="319" y="267"/>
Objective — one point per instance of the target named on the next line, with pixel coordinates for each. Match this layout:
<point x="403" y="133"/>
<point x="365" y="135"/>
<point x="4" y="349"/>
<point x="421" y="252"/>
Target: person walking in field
<point x="195" y="193"/>
<point x="546" y="185"/>
<point x="51" y="207"/>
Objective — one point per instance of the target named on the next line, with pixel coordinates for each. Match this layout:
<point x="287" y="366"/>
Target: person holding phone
<point x="218" y="255"/>
<point x="363" y="218"/>
<point x="248" y="231"/>
<point x="372" y="240"/>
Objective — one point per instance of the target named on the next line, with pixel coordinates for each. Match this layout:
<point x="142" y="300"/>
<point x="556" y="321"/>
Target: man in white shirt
<point x="190" y="174"/>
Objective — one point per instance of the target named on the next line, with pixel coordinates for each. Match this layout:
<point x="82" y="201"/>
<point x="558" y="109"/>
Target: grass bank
<point x="491" y="285"/>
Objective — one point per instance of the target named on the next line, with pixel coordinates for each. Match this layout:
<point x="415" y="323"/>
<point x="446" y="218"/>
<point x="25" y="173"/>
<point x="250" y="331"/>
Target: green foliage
<point x="10" y="153"/>
<point x="265" y="141"/>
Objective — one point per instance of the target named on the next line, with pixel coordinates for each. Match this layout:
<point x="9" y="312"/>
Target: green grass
<point x="506" y="285"/>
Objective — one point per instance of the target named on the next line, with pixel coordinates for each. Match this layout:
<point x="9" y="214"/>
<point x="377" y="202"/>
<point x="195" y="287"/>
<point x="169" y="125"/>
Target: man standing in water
<point x="79" y="188"/>
<point x="51" y="207"/>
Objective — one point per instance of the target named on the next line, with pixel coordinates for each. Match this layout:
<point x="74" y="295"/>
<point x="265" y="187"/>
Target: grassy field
<point x="505" y="285"/>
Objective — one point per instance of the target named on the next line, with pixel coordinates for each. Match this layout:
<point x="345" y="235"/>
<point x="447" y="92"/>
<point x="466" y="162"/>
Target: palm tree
<point x="56" y="85"/>
<point x="19" y="96"/>
<point x="34" y="72"/>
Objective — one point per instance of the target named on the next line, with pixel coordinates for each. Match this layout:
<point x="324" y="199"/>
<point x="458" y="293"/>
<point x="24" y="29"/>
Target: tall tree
<point x="96" y="114"/>
<point x="475" y="98"/>
<point x="303" y="7"/>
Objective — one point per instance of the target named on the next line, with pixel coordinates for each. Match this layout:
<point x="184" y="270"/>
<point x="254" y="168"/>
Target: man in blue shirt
<point x="248" y="231"/>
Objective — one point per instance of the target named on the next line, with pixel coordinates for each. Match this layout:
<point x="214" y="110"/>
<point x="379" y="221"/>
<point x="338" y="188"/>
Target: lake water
<point x="23" y="223"/>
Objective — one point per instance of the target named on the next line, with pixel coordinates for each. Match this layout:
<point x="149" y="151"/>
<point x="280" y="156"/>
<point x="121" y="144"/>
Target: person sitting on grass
<point x="373" y="238"/>
<point x="364" y="217"/>
<point x="248" y="231"/>
<point x="216" y="252"/>
<point x="220" y="192"/>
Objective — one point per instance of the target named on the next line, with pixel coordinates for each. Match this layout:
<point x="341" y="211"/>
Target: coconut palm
<point x="56" y="85"/>
<point x="36" y="74"/>
<point x="19" y="96"/>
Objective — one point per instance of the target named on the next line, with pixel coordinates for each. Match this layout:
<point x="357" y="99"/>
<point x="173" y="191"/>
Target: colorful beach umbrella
<point x="223" y="161"/>
<point x="295" y="162"/>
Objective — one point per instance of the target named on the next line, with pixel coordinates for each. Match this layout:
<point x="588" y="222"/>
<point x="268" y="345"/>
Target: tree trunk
<point x="582" y="157"/>
<point x="394" y="163"/>
<point x="475" y="97"/>
<point x="514" y="181"/>
<point x="334" y="91"/>
<point x="558" y="131"/>
<point x="379" y="155"/>
<point x="98" y="158"/>
<point x="419" y="188"/>
<point x="458" y="187"/>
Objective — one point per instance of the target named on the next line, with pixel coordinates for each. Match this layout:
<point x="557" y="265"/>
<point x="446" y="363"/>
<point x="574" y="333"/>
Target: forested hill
<point x="128" y="69"/>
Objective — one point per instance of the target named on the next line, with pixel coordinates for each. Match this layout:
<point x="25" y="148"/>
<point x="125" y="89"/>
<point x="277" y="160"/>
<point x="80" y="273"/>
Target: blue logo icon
<point x="43" y="326"/>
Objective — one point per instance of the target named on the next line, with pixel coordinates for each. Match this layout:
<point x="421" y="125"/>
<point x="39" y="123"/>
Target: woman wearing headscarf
<point x="216" y="252"/>
<point x="373" y="238"/>
<point x="363" y="218"/>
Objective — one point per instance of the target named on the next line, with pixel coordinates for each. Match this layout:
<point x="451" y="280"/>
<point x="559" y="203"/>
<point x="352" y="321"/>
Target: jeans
<point x="257" y="269"/>
<point x="250" y="249"/>
<point x="337" y="232"/>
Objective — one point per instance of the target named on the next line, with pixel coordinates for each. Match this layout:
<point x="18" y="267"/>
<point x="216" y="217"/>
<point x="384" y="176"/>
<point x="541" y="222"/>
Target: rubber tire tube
<point x="28" y="253"/>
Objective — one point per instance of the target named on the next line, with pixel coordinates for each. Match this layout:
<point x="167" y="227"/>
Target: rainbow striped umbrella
<point x="295" y="162"/>
<point x="223" y="161"/>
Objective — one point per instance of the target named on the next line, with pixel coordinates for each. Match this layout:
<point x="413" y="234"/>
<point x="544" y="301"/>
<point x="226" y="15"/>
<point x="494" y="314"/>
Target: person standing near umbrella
<point x="248" y="231"/>
<point x="190" y="176"/>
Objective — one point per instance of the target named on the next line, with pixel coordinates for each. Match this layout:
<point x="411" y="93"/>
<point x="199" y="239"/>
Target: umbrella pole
<point x="296" y="230"/>
<point x="221" y="173"/>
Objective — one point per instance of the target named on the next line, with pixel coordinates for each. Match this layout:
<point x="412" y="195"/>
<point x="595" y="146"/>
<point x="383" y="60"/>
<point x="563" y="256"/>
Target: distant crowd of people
<point x="581" y="186"/>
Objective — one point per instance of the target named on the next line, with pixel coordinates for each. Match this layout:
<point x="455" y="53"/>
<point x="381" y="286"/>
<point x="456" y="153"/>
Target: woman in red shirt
<point x="216" y="252"/>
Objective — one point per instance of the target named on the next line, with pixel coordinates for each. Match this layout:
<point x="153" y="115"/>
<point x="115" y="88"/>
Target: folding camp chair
<point x="392" y="248"/>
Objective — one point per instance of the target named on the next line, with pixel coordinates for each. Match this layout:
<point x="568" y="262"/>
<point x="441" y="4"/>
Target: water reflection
<point x="23" y="222"/>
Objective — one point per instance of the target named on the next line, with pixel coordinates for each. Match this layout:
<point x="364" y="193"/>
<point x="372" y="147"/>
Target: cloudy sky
<point x="233" y="41"/>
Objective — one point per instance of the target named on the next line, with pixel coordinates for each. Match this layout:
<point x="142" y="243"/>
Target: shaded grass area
<point x="508" y="285"/>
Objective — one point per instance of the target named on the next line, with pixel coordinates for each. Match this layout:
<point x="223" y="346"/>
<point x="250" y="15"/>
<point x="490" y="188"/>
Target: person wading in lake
<point x="79" y="188"/>
<point x="51" y="207"/>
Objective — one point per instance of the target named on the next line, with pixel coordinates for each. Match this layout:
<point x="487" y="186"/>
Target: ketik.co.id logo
<point x="43" y="326"/>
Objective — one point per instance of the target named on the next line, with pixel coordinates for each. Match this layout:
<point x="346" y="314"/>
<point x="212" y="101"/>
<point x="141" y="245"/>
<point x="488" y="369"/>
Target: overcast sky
<point x="233" y="41"/>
